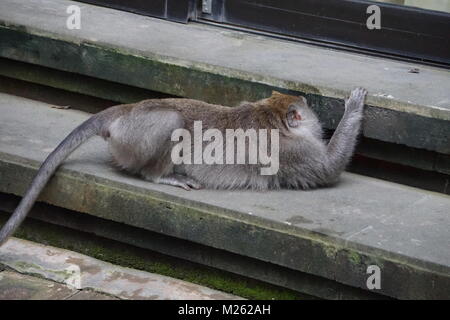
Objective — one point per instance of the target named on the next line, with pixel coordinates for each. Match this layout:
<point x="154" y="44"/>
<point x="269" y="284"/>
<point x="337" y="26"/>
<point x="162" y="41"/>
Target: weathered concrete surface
<point x="225" y="66"/>
<point x="74" y="83"/>
<point x="45" y="222"/>
<point x="334" y="233"/>
<point x="62" y="88"/>
<point x="16" y="286"/>
<point x="79" y="272"/>
<point x="91" y="295"/>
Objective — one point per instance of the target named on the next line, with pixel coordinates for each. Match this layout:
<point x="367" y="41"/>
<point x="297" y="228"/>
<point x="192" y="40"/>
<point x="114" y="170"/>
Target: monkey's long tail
<point x="87" y="129"/>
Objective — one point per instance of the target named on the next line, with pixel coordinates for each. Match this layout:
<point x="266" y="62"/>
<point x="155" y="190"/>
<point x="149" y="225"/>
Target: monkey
<point x="139" y="141"/>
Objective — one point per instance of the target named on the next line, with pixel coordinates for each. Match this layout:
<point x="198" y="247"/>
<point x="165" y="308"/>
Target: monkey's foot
<point x="356" y="100"/>
<point x="179" y="180"/>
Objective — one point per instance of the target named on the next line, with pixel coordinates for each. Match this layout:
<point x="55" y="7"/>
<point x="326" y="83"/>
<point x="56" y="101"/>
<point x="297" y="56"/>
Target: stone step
<point x="16" y="286"/>
<point x="333" y="233"/>
<point x="405" y="106"/>
<point x="80" y="277"/>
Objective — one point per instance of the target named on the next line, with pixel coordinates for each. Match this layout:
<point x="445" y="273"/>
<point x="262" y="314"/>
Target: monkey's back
<point x="299" y="156"/>
<point x="219" y="176"/>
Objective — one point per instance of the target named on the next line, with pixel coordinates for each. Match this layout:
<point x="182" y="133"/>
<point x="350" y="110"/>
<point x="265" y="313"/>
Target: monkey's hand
<point x="355" y="102"/>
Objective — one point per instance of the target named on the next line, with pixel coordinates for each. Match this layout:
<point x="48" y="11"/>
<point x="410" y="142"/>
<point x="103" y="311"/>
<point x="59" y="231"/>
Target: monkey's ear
<point x="303" y="99"/>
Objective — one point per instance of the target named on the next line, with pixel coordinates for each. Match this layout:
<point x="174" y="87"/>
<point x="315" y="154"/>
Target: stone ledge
<point x="80" y="272"/>
<point x="59" y="87"/>
<point x="223" y="66"/>
<point x="333" y="233"/>
<point x="81" y="232"/>
<point x="15" y="286"/>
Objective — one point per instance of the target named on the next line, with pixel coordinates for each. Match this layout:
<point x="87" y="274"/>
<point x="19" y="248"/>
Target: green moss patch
<point x="141" y="259"/>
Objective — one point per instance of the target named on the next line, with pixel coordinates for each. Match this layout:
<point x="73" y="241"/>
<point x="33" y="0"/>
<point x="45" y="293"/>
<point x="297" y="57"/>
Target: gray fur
<point x="139" y="141"/>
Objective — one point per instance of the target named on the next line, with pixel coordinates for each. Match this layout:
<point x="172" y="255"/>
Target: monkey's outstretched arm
<point x="342" y="143"/>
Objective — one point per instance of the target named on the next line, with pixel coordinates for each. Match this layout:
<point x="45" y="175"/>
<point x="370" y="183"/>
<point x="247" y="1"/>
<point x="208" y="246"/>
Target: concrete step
<point x="224" y="66"/>
<point x="69" y="275"/>
<point x="333" y="234"/>
<point x="16" y="286"/>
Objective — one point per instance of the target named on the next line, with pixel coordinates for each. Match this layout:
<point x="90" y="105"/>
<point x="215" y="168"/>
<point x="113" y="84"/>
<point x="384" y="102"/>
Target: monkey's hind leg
<point x="161" y="170"/>
<point x="179" y="180"/>
<point x="140" y="143"/>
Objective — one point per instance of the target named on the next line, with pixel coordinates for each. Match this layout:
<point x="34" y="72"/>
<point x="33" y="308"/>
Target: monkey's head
<point x="294" y="113"/>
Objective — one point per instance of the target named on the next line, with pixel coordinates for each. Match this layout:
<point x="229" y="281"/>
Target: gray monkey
<point x="139" y="140"/>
